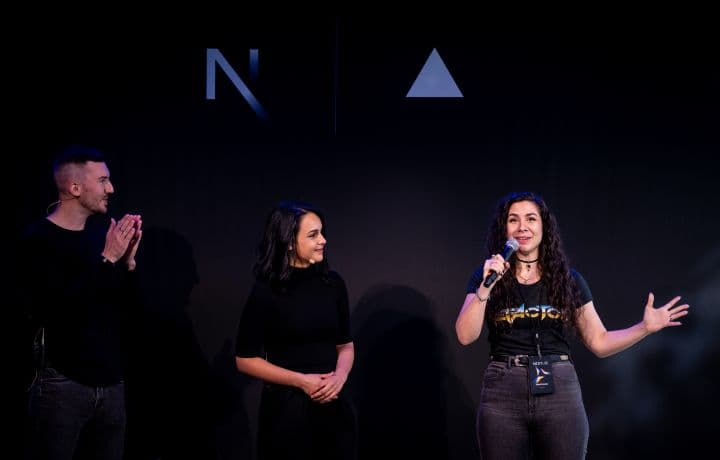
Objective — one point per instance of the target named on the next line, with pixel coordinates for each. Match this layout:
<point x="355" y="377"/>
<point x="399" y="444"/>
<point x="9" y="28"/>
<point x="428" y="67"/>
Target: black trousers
<point x="292" y="426"/>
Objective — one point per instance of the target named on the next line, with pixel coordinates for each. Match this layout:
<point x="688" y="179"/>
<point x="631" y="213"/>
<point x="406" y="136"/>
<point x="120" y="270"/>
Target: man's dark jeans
<point x="60" y="410"/>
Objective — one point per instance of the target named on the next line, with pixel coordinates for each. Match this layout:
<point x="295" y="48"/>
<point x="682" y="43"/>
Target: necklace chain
<point x="528" y="267"/>
<point x="525" y="280"/>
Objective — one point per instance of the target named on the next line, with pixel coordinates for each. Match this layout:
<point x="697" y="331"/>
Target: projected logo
<point x="216" y="59"/>
<point x="434" y="80"/>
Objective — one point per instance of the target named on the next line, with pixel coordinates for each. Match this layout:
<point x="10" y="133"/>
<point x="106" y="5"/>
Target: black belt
<point x="523" y="360"/>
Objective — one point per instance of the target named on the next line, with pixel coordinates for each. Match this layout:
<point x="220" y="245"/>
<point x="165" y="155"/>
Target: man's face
<point x="95" y="187"/>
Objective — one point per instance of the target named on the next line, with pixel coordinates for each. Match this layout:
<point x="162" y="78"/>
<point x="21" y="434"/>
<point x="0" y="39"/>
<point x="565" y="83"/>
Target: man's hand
<point x="122" y="239"/>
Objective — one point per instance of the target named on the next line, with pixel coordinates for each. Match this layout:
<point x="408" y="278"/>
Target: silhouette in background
<point x="234" y="434"/>
<point x="174" y="401"/>
<point x="400" y="376"/>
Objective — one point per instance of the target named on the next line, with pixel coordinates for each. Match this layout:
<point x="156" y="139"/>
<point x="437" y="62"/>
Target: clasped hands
<point x="324" y="388"/>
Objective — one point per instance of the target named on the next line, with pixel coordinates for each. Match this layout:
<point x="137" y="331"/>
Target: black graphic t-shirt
<point x="512" y="328"/>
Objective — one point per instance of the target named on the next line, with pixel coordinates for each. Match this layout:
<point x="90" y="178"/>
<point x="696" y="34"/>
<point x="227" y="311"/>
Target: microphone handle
<point x="508" y="251"/>
<point x="490" y="278"/>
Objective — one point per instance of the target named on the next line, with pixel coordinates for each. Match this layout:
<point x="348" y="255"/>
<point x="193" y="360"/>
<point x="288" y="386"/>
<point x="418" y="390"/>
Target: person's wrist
<point x="341" y="374"/>
<point x="645" y="328"/>
<point x="479" y="297"/>
<point x="299" y="380"/>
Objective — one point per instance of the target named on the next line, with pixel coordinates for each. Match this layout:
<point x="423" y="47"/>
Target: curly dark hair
<point x="553" y="263"/>
<point x="281" y="228"/>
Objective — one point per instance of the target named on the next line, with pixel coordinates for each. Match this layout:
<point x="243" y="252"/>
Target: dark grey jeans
<point x="61" y="409"/>
<point x="512" y="422"/>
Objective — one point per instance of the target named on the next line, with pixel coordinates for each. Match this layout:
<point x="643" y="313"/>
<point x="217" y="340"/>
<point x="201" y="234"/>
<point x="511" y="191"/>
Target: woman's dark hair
<point x="281" y="228"/>
<point x="553" y="264"/>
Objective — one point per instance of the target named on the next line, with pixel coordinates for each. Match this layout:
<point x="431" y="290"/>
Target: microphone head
<point x="510" y="247"/>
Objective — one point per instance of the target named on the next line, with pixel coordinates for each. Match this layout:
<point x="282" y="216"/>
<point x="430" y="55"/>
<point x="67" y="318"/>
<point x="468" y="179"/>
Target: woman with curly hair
<point x="531" y="400"/>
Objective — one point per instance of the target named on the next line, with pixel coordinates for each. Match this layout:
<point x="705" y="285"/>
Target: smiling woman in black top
<point x="294" y="334"/>
<point x="531" y="399"/>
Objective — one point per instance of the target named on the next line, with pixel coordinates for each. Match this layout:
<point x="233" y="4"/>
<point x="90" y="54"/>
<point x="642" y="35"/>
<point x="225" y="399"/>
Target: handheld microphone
<point x="510" y="247"/>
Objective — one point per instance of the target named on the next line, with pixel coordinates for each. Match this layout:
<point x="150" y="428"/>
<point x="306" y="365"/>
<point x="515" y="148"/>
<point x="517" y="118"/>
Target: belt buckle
<point x="516" y="360"/>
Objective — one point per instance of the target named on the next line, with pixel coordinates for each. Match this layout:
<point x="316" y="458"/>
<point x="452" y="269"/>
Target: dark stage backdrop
<point x="617" y="130"/>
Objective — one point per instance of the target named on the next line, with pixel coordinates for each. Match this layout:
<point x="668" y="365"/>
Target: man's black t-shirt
<point x="81" y="301"/>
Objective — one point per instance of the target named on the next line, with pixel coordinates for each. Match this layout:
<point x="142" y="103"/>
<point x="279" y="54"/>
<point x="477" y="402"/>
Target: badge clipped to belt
<point x="540" y="372"/>
<point x="540" y="375"/>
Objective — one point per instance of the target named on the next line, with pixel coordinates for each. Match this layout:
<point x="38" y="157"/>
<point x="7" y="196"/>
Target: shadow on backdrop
<point x="235" y="435"/>
<point x="401" y="384"/>
<point x="174" y="401"/>
<point x="660" y="399"/>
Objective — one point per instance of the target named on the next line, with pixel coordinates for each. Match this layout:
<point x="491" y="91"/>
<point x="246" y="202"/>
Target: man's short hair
<point x="78" y="155"/>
